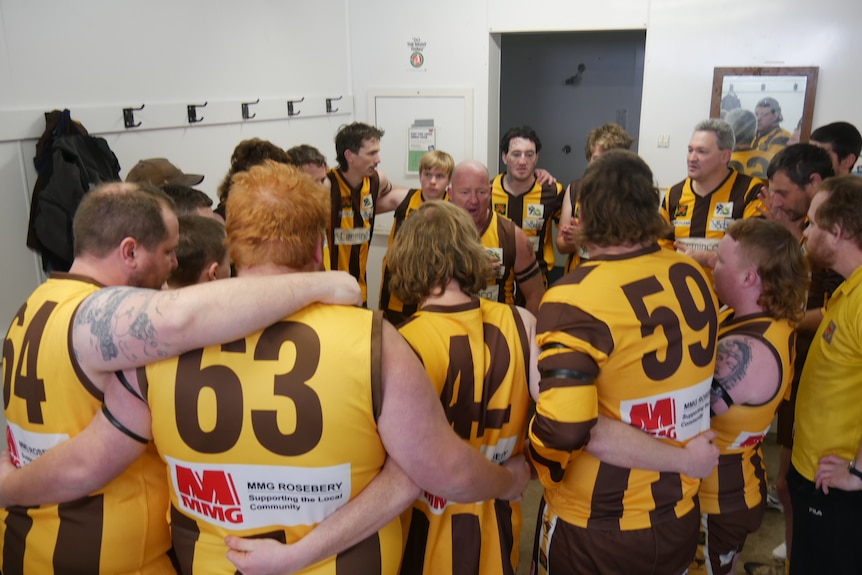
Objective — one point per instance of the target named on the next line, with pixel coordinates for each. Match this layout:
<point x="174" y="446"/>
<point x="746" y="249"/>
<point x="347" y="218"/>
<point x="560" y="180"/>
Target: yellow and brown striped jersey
<point x="631" y="337"/>
<point x="394" y="310"/>
<point x="752" y="162"/>
<point x="352" y="225"/>
<point x="119" y="529"/>
<point x="268" y="435"/>
<point x="534" y="212"/>
<point x="498" y="238"/>
<point x="739" y="481"/>
<point x="701" y="222"/>
<point x="772" y="141"/>
<point x="477" y="356"/>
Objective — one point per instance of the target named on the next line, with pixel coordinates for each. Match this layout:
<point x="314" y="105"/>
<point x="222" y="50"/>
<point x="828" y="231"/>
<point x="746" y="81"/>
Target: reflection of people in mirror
<point x="746" y="159"/>
<point x="771" y="137"/>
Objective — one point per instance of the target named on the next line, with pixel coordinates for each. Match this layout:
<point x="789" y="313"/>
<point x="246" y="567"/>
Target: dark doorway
<point x="565" y="84"/>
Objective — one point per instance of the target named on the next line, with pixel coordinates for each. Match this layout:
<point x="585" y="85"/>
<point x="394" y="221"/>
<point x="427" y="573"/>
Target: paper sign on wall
<point x="421" y="138"/>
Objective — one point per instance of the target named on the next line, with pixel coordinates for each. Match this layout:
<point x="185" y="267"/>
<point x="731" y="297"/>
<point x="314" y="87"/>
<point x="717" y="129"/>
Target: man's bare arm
<point x="382" y="500"/>
<point x="746" y="371"/>
<point x="390" y="195"/>
<point x="85" y="463"/>
<point x="417" y="435"/>
<point x="122" y="327"/>
<point x="622" y="445"/>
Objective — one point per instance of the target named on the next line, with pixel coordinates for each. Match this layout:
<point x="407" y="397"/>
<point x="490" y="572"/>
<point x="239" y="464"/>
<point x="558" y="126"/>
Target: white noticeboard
<point x="402" y="112"/>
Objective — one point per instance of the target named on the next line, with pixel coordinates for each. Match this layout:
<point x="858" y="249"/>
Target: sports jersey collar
<point x="730" y="173"/>
<point x="637" y="253"/>
<point x="467" y="306"/>
<point x="847" y="286"/>
<point x="74" y="277"/>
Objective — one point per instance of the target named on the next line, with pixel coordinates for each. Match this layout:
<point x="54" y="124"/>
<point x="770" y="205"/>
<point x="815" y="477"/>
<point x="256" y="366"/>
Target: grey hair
<point x="722" y="130"/>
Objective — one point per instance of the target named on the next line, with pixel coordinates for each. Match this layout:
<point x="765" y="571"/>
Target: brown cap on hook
<point x="159" y="171"/>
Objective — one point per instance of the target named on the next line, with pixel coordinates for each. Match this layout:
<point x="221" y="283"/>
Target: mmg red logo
<point x="658" y="419"/>
<point x="211" y="494"/>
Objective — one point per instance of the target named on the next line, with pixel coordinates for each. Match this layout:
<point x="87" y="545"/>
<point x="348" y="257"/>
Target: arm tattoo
<point x="115" y="323"/>
<point x="733" y="359"/>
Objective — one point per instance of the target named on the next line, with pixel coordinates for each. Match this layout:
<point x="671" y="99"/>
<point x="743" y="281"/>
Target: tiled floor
<point x="758" y="547"/>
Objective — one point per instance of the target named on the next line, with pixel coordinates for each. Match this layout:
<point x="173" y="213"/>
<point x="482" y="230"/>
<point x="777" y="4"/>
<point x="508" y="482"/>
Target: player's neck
<point x="353" y="179"/>
<point x="449" y="295"/>
<point x="706" y="186"/>
<point x="599" y="251"/>
<point x="518" y="187"/>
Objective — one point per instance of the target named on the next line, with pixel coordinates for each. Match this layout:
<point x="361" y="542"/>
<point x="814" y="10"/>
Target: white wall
<point x="96" y="57"/>
<point x="685" y="41"/>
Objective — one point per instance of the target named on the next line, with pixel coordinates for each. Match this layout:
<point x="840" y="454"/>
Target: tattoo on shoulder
<point x="117" y="317"/>
<point x="733" y="359"/>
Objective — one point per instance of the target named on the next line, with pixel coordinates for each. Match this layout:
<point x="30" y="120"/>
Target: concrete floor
<point x="758" y="547"/>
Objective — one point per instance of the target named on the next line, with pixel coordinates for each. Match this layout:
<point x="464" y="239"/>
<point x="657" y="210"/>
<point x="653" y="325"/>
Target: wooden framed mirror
<point x="792" y="88"/>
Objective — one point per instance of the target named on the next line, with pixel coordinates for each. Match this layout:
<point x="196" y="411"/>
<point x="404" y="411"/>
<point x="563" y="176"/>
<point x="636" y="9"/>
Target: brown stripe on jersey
<point x="334" y="217"/>
<point x="731" y="483"/>
<point x="417" y="540"/>
<point x="362" y="558"/>
<point x="566" y="370"/>
<point x="376" y="363"/>
<point x="506" y="234"/>
<point x="561" y="435"/>
<point x="503" y="512"/>
<point x="607" y="500"/>
<point x="554" y="468"/>
<point x="466" y="544"/>
<point x="525" y="343"/>
<point x="515" y="209"/>
<point x="666" y="493"/>
<point x="563" y="317"/>
<point x="79" y="538"/>
<point x="759" y="471"/>
<point x="18" y="524"/>
<point x="184" y="536"/>
<point x="88" y="385"/>
<point x="743" y="193"/>
<point x="577" y="275"/>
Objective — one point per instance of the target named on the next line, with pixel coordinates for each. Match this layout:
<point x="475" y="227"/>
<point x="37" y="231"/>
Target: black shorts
<point x="826" y="528"/>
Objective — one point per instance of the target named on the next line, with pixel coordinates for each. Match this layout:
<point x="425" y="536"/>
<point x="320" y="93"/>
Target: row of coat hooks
<point x="192" y="111"/>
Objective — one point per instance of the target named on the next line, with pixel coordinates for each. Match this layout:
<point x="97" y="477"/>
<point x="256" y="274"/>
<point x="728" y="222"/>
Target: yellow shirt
<point x="828" y="419"/>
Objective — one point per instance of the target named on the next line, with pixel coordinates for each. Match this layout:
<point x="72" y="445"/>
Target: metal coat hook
<point x="245" y="105"/>
<point x="193" y="115"/>
<point x="329" y="101"/>
<point x="290" y="104"/>
<point x="129" y="116"/>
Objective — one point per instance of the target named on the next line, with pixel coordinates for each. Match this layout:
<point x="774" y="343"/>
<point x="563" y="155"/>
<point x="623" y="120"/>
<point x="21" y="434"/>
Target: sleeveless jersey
<point x="499" y="240"/>
<point x="394" y="310"/>
<point x="739" y="481"/>
<point x="752" y="162"/>
<point x="268" y="435"/>
<point x="351" y="225"/>
<point x="119" y="529"/>
<point x="772" y="141"/>
<point x="830" y="390"/>
<point x="476" y="355"/>
<point x="534" y="212"/>
<point x="631" y="337"/>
